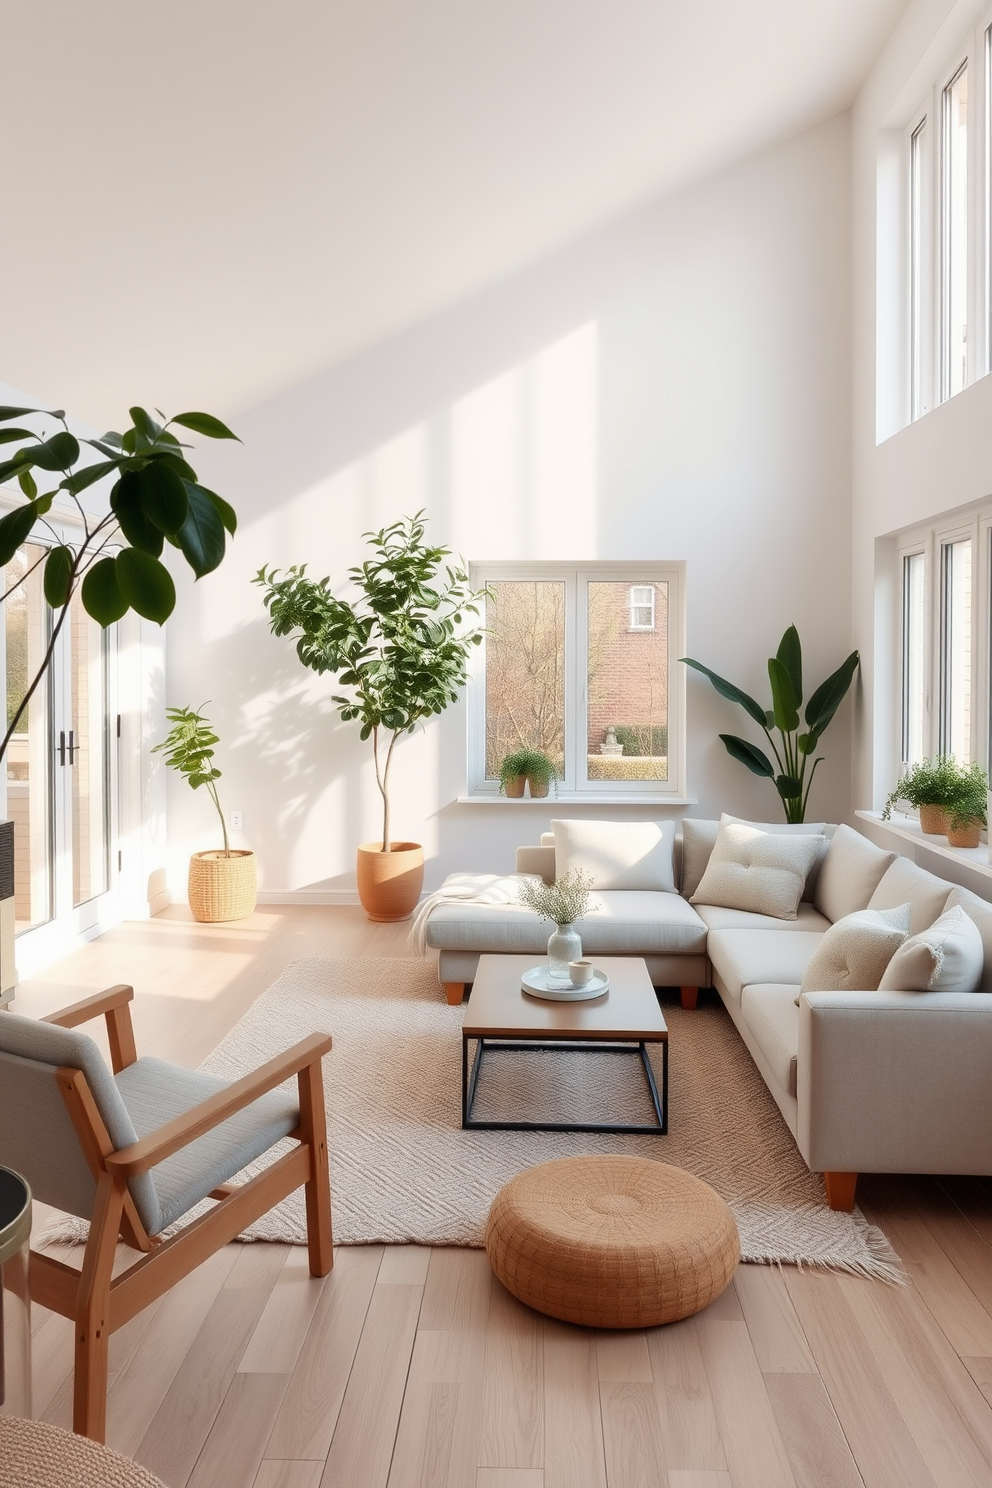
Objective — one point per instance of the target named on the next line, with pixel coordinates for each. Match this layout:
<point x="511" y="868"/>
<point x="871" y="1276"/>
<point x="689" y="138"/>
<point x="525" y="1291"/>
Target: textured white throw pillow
<point x="850" y="874"/>
<point x="617" y="855"/>
<point x="853" y="954"/>
<point x="947" y="957"/>
<point x="763" y="872"/>
<point x="699" y="837"/>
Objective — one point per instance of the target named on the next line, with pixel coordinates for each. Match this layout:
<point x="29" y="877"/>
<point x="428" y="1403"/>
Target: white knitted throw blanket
<point x="475" y="888"/>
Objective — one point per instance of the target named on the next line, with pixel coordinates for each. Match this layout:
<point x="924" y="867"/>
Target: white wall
<point x="677" y="386"/>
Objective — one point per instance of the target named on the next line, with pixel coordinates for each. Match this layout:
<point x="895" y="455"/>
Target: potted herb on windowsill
<point x="931" y="787"/>
<point x="527" y="767"/>
<point x="402" y="649"/>
<point x="221" y="881"/>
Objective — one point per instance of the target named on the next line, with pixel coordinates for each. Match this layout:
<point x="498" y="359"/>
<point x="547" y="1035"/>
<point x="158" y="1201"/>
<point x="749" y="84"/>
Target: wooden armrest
<point x="160" y="1144"/>
<point x="113" y="1004"/>
<point x="91" y="1007"/>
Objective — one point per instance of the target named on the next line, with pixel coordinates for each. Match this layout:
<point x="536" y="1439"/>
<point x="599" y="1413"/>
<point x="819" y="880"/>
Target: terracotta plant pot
<point x="538" y="786"/>
<point x="968" y="834"/>
<point x="934" y="821"/>
<point x="221" y="887"/>
<point x="389" y="883"/>
<point x="514" y="787"/>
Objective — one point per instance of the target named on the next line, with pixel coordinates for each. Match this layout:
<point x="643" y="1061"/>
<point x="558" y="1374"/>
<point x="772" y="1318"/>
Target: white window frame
<point x="913" y="546"/>
<point x="641" y="604"/>
<point x="574" y="786"/>
<point x="943" y="537"/>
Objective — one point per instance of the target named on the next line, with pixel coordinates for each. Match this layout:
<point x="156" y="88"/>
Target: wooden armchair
<point x="136" y="1151"/>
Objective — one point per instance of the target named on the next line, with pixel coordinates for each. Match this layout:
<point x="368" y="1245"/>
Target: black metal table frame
<point x="521" y="1044"/>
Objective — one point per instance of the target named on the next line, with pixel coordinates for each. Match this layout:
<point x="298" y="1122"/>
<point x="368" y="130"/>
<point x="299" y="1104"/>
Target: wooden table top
<point x="498" y="1007"/>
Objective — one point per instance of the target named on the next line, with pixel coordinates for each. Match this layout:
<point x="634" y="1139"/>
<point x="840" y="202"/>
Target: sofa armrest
<point x="540" y="860"/>
<point x="895" y="1082"/>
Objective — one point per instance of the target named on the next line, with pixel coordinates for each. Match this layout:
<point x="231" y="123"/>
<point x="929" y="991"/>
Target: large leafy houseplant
<point x="156" y="497"/>
<point x="188" y="748"/>
<point x="401" y="648"/>
<point x="791" y="771"/>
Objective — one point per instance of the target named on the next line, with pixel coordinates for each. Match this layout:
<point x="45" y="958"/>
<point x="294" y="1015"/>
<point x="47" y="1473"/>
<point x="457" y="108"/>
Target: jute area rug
<point x="402" y="1168"/>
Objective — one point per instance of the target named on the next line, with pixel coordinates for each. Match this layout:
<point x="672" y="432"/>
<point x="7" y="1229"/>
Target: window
<point x="579" y="662"/>
<point x="955" y="650"/>
<point x="914" y="650"/>
<point x="642" y="607"/>
<point x="919" y="276"/>
<point x="954" y="234"/>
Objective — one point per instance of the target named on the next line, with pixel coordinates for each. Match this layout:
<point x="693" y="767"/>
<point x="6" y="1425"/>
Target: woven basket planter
<point x="934" y="820"/>
<point x="222" y="887"/>
<point x="968" y="834"/>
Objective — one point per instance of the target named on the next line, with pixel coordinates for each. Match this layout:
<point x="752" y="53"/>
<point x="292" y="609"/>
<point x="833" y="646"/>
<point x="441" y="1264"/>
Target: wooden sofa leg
<point x="690" y="996"/>
<point x="454" y="992"/>
<point x="840" y="1190"/>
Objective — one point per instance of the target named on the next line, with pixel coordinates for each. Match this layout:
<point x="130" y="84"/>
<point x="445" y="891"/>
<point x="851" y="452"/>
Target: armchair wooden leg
<point x="89" y="1390"/>
<point x="454" y="992"/>
<point x="840" y="1190"/>
<point x="690" y="996"/>
<point x="313" y="1130"/>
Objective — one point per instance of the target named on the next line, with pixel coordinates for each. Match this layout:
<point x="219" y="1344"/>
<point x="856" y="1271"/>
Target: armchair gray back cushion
<point x="37" y="1137"/>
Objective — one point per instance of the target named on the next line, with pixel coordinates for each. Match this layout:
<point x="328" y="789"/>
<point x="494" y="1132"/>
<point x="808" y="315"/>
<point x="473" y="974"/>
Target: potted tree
<point x="931" y="786"/>
<point x="530" y="767"/>
<point x="401" y="648"/>
<point x="222" y="883"/>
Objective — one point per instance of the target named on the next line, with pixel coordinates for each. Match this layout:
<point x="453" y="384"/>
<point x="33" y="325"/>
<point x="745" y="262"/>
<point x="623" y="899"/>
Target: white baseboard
<point x="309" y="896"/>
<point x="159" y="902"/>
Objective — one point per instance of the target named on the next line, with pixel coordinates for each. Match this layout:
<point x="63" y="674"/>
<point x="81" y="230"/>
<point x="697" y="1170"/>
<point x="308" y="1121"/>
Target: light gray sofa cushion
<point x="905" y="883"/>
<point x="620" y="922"/>
<point x="718" y="917"/>
<point x="850" y="874"/>
<point x="945" y="957"/>
<point x="772" y="1015"/>
<point x="748" y="957"/>
<point x="154" y="1092"/>
<point x="617" y="855"/>
<point x="699" y="838"/>
<point x="979" y="911"/>
<point x="763" y="872"/>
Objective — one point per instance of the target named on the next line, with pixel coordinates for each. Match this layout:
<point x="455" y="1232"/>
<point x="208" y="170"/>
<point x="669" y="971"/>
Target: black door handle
<point x="72" y="746"/>
<point x="61" y="746"/>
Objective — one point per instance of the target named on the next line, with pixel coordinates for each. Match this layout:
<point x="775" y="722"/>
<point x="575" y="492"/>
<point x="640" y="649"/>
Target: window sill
<point x="907" y="828"/>
<point x="573" y="798"/>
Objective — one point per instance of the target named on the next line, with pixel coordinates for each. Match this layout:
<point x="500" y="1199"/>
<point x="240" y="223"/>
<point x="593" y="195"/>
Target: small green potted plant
<point x="930" y="786"/>
<point x="221" y="882"/>
<point x="967" y="812"/>
<point x="527" y="766"/>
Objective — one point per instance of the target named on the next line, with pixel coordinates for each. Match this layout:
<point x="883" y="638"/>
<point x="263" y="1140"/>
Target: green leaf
<point x="749" y="754"/>
<point x="7" y="412"/>
<point x="88" y="476"/>
<point x="57" y="453"/>
<point x="101" y="593"/>
<point x="58" y="576"/>
<point x="225" y="511"/>
<point x="28" y="485"/>
<point x="202" y="534"/>
<point x="785" y="704"/>
<point x="204" y="423"/>
<point x="145" y="424"/>
<point x="7" y="436"/>
<point x="163" y="497"/>
<point x="830" y="694"/>
<point x="728" y="690"/>
<point x="788" y="787"/>
<point x="146" y="584"/>
<point x="790" y="654"/>
<point x="14" y="529"/>
<point x="128" y="507"/>
<point x="807" y="742"/>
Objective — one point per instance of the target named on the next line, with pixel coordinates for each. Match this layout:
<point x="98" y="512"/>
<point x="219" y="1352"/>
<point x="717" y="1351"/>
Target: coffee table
<point x="625" y="1020"/>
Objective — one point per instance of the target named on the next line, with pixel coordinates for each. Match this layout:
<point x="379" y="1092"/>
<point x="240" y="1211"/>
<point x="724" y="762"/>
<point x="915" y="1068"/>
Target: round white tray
<point x="538" y="984"/>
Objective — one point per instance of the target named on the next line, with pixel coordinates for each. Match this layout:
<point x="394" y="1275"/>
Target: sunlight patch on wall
<point x="523" y="457"/>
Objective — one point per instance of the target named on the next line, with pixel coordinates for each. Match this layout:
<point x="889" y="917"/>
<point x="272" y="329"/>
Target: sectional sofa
<point x="868" y="1081"/>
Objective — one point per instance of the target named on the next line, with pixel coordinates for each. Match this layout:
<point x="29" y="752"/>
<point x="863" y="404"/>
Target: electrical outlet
<point x="237" y="821"/>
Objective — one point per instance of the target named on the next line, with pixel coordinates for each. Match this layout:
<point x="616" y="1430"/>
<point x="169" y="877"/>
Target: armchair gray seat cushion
<point x="154" y="1092"/>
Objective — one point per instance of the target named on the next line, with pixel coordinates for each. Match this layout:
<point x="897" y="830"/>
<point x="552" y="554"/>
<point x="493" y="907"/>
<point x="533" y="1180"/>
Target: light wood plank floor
<point x="413" y="1368"/>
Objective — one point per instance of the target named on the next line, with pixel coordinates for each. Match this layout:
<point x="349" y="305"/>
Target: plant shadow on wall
<point x="401" y="648"/>
<point x="792" y="770"/>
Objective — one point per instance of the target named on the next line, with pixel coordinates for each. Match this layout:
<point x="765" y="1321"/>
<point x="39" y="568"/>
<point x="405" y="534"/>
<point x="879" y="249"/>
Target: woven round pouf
<point x="612" y="1242"/>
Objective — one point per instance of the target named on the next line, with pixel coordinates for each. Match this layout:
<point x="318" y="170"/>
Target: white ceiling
<point x="209" y="200"/>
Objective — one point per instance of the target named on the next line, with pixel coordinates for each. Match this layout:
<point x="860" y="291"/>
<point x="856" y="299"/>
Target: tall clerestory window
<point x="954" y="234"/>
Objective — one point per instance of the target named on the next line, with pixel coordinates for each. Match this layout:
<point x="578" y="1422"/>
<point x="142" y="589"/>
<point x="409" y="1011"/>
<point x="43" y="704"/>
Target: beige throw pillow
<point x="947" y="957"/>
<point x="617" y="855"/>
<point x="699" y="837"/>
<point x="854" y="952"/>
<point x="979" y="911"/>
<point x="762" y="872"/>
<point x="850" y="874"/>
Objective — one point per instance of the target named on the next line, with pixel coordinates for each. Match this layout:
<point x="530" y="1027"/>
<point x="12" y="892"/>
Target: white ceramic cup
<point x="581" y="972"/>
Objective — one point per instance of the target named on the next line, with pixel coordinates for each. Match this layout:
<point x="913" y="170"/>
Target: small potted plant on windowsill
<point x="527" y="766"/>
<point x="221" y="882"/>
<point x="931" y="786"/>
<point x="967" y="812"/>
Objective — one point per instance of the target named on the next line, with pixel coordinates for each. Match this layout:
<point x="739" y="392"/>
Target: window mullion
<point x="576" y="680"/>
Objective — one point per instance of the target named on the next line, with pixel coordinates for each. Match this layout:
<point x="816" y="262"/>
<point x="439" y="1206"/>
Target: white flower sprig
<point x="562" y="902"/>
